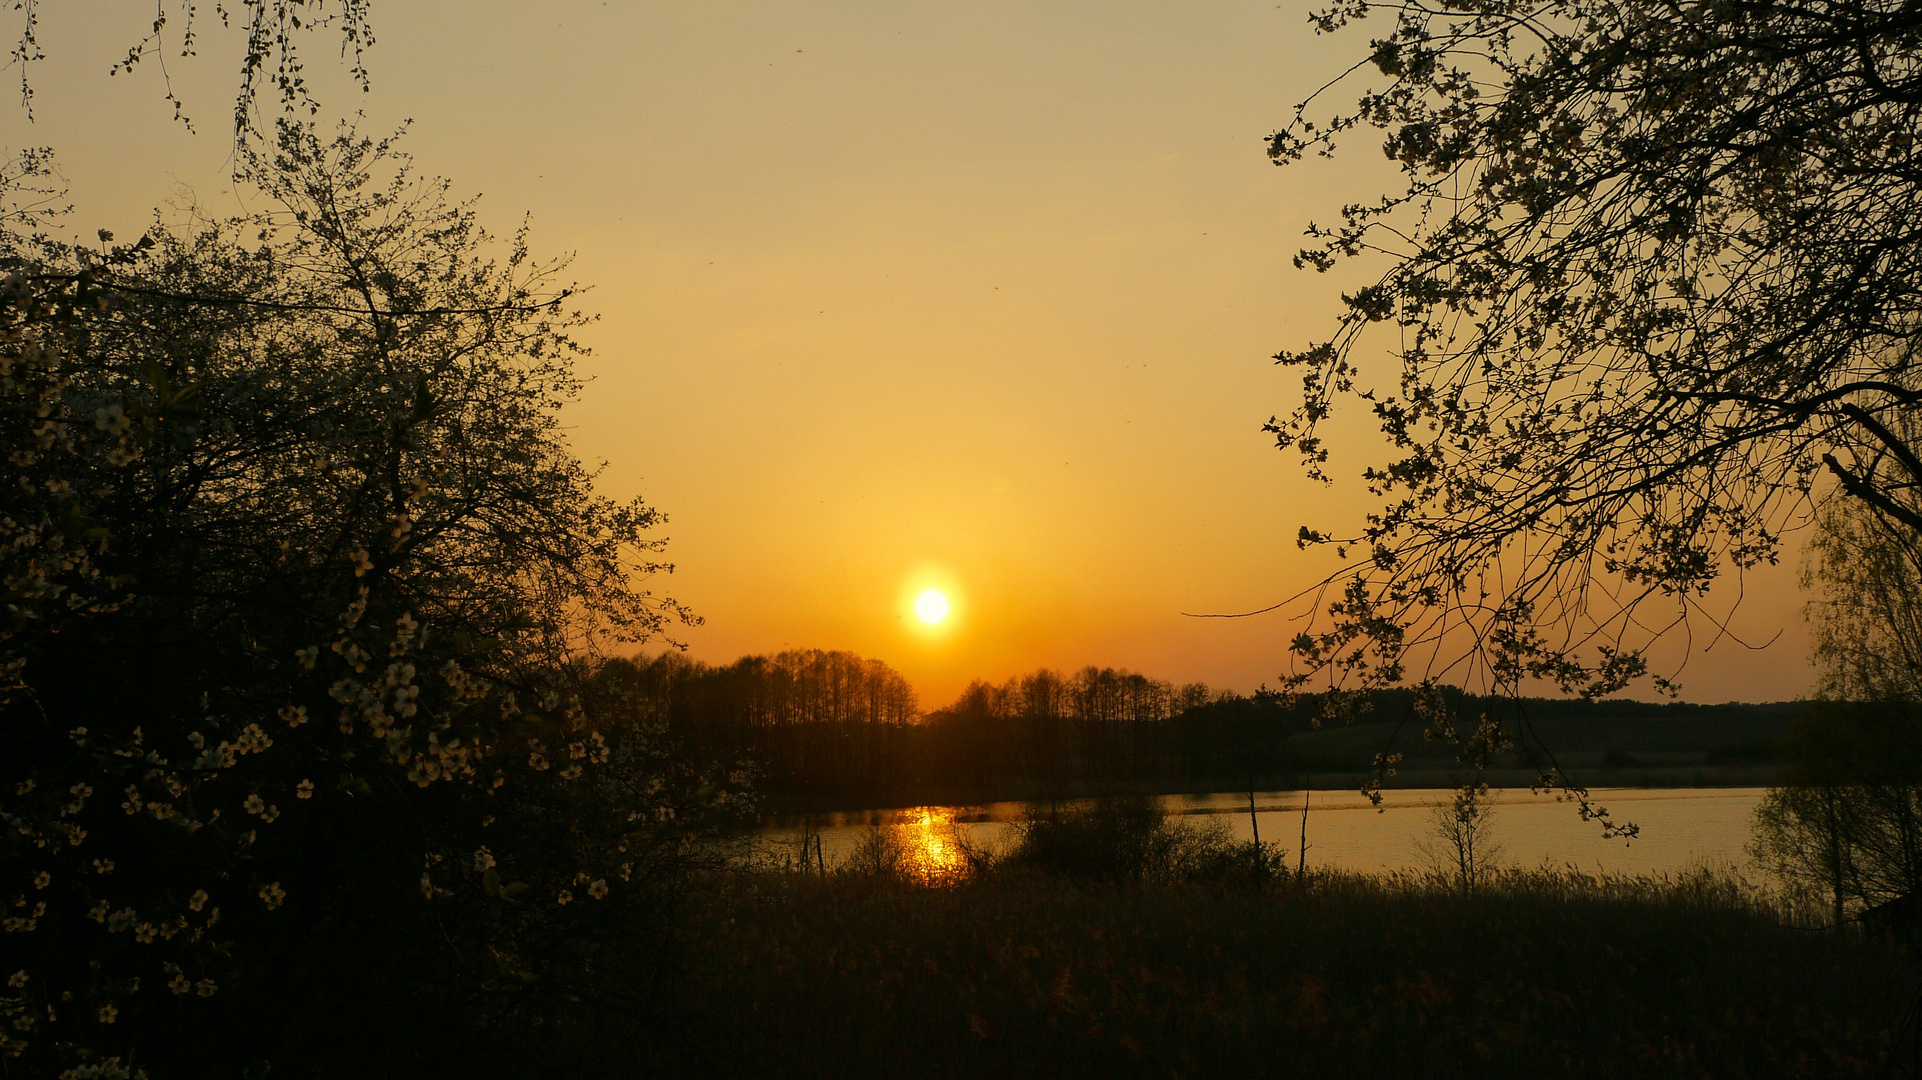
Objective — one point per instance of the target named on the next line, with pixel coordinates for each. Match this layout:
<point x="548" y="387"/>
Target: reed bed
<point x="1014" y="971"/>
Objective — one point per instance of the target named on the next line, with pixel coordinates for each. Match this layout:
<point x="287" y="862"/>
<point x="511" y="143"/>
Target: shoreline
<point x="1668" y="778"/>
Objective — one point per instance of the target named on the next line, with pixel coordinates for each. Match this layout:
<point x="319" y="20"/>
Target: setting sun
<point x="931" y="606"/>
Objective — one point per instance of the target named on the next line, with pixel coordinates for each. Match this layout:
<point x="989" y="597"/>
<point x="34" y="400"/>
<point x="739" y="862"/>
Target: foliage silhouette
<point x="1654" y="288"/>
<point x="270" y="57"/>
<point x="305" y="595"/>
<point x="1846" y="822"/>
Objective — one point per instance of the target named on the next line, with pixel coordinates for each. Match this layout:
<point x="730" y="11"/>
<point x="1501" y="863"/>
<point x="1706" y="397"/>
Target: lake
<point x="1680" y="828"/>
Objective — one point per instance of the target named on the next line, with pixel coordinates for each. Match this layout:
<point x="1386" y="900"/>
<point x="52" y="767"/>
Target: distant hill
<point x="1604" y="743"/>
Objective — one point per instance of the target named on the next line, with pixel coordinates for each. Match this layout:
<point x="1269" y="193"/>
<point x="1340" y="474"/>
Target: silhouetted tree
<point x="302" y="580"/>
<point x="1460" y="844"/>
<point x="1846" y="822"/>
<point x="1652" y="280"/>
<point x="270" y="56"/>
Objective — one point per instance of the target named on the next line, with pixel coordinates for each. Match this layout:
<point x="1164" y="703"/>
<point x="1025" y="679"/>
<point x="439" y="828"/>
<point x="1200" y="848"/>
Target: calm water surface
<point x="1680" y="828"/>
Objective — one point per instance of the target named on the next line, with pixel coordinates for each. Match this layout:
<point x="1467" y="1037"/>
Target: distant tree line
<point x="834" y="730"/>
<point x="816" y="725"/>
<point x="821" y="730"/>
<point x="1103" y="729"/>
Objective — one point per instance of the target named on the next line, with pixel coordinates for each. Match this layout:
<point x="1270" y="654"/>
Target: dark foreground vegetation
<point x="1112" y="942"/>
<point x="1018" y="972"/>
<point x="298" y="771"/>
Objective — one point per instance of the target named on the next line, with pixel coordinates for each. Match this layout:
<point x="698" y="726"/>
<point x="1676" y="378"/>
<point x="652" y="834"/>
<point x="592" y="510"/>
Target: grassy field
<point x="1020" y="973"/>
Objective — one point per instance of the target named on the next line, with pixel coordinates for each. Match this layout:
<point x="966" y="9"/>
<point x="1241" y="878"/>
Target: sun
<point x="931" y="606"/>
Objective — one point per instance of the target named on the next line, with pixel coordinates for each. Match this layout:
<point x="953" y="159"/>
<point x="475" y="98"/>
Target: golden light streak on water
<point x="929" y="848"/>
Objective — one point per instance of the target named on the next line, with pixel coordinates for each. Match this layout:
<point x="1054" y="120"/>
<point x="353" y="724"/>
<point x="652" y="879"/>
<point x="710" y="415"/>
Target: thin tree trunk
<point x="1835" y="853"/>
<point x="1301" y="862"/>
<point x="807" y="839"/>
<point x="1254" y="823"/>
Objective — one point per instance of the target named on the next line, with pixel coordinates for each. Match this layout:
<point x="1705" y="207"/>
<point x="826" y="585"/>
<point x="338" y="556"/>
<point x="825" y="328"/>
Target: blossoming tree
<point x="303" y="587"/>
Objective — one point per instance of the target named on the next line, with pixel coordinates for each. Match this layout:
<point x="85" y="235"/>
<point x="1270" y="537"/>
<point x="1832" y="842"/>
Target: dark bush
<point x="1134" y="839"/>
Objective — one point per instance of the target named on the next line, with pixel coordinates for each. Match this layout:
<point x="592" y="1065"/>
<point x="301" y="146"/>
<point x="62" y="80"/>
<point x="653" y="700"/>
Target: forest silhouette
<point x="828" y="730"/>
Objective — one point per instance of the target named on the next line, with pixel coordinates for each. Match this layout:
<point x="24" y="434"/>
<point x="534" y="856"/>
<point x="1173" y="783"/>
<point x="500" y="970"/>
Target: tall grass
<point x="1020" y="973"/>
<point x="1111" y="941"/>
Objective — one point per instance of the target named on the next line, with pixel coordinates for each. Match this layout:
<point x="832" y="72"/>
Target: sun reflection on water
<point x="930" y="848"/>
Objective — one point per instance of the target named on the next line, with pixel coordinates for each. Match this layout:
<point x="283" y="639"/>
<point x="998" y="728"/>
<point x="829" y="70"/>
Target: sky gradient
<point x="972" y="295"/>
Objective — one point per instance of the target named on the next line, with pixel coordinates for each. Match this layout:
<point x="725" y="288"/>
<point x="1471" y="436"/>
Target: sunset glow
<point x="963" y="340"/>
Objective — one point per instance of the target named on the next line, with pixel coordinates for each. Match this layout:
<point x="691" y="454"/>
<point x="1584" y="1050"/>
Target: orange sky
<point x="980" y="294"/>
